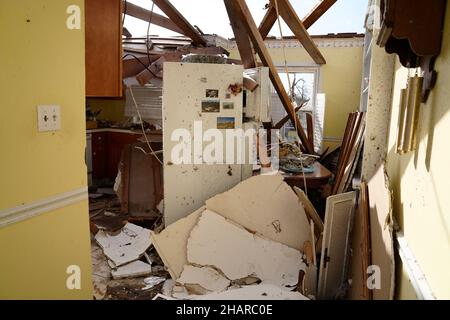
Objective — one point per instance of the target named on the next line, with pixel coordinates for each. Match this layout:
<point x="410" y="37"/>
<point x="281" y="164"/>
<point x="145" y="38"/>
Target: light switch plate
<point x="49" y="118"/>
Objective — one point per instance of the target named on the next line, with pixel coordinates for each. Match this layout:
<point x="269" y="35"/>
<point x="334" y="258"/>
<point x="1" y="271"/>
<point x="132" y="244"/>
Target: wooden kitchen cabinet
<point x="103" y="29"/>
<point x="107" y="147"/>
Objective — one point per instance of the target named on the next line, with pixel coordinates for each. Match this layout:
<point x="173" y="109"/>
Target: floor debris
<point x="126" y="246"/>
<point x="206" y="277"/>
<point x="132" y="270"/>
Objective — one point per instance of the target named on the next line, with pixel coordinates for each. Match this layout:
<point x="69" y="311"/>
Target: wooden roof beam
<point x="240" y="9"/>
<point x="291" y="18"/>
<point x="180" y="21"/>
<point x="138" y="12"/>
<point x="318" y="11"/>
<point x="242" y="40"/>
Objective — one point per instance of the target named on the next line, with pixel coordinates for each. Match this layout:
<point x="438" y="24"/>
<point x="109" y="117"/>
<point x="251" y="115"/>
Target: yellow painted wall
<point x="42" y="62"/>
<point x="340" y="80"/>
<point x="421" y="179"/>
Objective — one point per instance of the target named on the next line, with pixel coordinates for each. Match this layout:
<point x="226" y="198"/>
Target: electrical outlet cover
<point x="49" y="118"/>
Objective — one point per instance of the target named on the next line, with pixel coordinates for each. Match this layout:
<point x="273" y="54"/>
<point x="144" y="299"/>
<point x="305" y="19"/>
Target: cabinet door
<point x="103" y="48"/>
<point x="99" y="155"/>
<point x="116" y="143"/>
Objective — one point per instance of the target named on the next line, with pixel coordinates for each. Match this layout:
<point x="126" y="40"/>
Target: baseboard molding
<point x="415" y="274"/>
<point x="20" y="213"/>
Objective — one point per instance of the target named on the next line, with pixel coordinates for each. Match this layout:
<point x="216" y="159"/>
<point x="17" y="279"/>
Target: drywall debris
<point x="255" y="292"/>
<point x="132" y="270"/>
<point x="266" y="205"/>
<point x="127" y="246"/>
<point x="152" y="281"/>
<point x="171" y="243"/>
<point x="205" y="277"/>
<point x="216" y="241"/>
<point x="101" y="272"/>
<point x="167" y="288"/>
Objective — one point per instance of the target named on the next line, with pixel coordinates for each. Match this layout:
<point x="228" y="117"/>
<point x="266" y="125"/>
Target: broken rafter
<point x="242" y="40"/>
<point x="176" y="17"/>
<point x="271" y="16"/>
<point x="145" y="15"/>
<point x="240" y="10"/>
<point x="317" y="12"/>
<point x="268" y="21"/>
<point x="291" y="18"/>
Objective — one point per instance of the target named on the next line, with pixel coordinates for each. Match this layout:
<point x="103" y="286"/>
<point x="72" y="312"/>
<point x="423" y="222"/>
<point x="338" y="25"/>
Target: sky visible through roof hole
<point x="211" y="17"/>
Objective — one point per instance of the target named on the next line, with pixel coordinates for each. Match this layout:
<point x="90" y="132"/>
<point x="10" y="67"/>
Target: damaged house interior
<point x="148" y="156"/>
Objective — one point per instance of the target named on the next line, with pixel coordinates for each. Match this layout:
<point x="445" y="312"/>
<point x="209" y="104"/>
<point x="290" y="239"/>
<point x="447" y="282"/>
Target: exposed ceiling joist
<point x="271" y="16"/>
<point x="180" y="21"/>
<point x="268" y="21"/>
<point x="317" y="12"/>
<point x="242" y="40"/>
<point x="291" y="18"/>
<point x="145" y="15"/>
<point x="239" y="9"/>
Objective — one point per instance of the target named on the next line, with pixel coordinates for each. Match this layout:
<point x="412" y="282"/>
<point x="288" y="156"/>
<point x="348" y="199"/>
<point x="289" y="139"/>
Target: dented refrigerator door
<point x="196" y="98"/>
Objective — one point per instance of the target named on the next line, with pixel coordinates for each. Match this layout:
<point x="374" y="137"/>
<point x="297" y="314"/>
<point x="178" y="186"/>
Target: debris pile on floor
<point x="248" y="243"/>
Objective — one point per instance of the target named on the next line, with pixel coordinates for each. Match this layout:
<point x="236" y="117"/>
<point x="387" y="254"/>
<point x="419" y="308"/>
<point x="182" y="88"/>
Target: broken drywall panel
<point x="206" y="277"/>
<point x="261" y="291"/>
<point x="381" y="234"/>
<point x="132" y="270"/>
<point x="151" y="282"/>
<point x="171" y="243"/>
<point x="266" y="205"/>
<point x="237" y="253"/>
<point x="309" y="209"/>
<point x="335" y="247"/>
<point x="127" y="246"/>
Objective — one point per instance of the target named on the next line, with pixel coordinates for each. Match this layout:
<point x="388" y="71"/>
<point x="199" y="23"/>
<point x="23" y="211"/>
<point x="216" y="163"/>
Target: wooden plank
<point x="361" y="257"/>
<point x="241" y="11"/>
<point x="268" y="21"/>
<point x="283" y="121"/>
<point x="180" y="21"/>
<point x="291" y="18"/>
<point x="145" y="15"/>
<point x="317" y="12"/>
<point x="242" y="40"/>
<point x="310" y="127"/>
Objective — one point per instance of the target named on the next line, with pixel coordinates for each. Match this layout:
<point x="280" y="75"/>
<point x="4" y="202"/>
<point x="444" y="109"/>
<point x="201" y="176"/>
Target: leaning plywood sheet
<point x="338" y="217"/>
<point x="206" y="277"/>
<point x="127" y="246"/>
<point x="171" y="243"/>
<point x="255" y="292"/>
<point x="380" y="208"/>
<point x="360" y="249"/>
<point x="216" y="241"/>
<point x="266" y="205"/>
